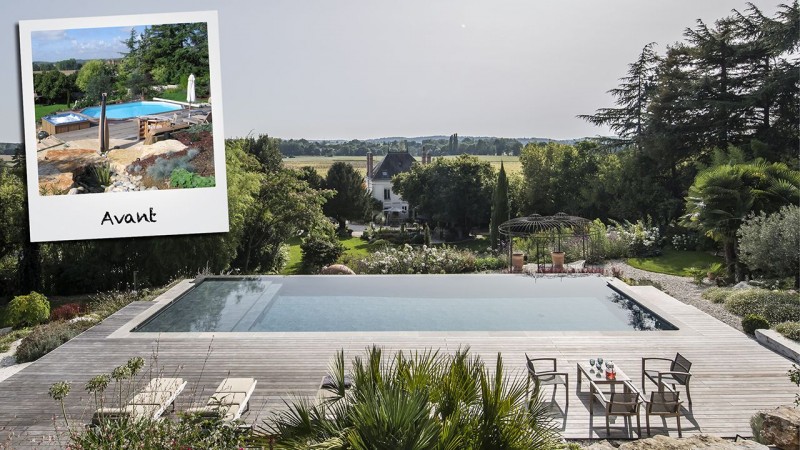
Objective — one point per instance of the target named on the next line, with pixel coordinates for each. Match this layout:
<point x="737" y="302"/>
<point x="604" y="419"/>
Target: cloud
<point x="49" y="35"/>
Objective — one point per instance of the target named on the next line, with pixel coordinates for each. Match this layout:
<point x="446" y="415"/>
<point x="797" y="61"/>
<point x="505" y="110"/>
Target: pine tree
<point x="500" y="210"/>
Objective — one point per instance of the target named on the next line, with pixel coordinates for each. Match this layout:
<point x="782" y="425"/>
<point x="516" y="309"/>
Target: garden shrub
<point x="753" y="322"/>
<point x="790" y="330"/>
<point x="771" y="244"/>
<point x="105" y="304"/>
<point x="775" y="306"/>
<point x="28" y="310"/>
<point x="698" y="274"/>
<point x="66" y="312"/>
<point x="319" y="251"/>
<point x="684" y="242"/>
<point x="45" y="338"/>
<point x="490" y="263"/>
<point x="163" y="167"/>
<point x="408" y="259"/>
<point x="717" y="294"/>
<point x="182" y="178"/>
<point x="641" y="238"/>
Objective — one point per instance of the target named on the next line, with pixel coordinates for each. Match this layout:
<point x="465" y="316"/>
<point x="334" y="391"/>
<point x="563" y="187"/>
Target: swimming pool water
<point x="132" y="109"/>
<point x="402" y="303"/>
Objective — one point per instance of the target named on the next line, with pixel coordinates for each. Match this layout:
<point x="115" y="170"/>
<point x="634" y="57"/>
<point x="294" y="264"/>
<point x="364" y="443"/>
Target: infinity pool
<point x="402" y="303"/>
<point x="132" y="109"/>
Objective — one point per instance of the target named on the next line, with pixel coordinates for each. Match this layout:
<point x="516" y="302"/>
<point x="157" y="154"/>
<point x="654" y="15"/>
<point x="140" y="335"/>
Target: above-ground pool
<point x="63" y="122"/>
<point x="132" y="109"/>
<point x="402" y="303"/>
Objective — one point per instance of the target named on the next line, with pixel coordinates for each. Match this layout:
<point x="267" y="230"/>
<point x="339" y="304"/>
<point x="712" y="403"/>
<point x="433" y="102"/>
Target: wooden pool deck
<point x="733" y="376"/>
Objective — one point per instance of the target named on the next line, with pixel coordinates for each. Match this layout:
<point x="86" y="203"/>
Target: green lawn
<point x="353" y="247"/>
<point x="675" y="262"/>
<point x="178" y="95"/>
<point x="174" y="94"/>
<point x="43" y="110"/>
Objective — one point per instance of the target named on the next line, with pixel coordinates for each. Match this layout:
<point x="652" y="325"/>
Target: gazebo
<point x="550" y="234"/>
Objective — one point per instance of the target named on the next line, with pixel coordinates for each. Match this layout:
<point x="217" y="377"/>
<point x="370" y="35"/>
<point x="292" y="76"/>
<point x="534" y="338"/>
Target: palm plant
<point x="722" y="196"/>
<point x="417" y="401"/>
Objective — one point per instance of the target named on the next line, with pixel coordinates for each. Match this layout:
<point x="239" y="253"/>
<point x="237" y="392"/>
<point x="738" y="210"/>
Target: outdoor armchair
<point x="544" y="372"/>
<point x="664" y="403"/>
<point x="678" y="374"/>
<point x="624" y="404"/>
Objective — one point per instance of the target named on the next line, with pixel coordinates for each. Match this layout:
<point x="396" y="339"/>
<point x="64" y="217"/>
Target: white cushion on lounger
<point x="151" y="398"/>
<point x="227" y="398"/>
<point x="163" y="385"/>
<point x="236" y="385"/>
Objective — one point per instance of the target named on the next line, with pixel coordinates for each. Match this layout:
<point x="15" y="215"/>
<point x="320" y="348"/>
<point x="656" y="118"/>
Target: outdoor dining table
<point x="598" y="376"/>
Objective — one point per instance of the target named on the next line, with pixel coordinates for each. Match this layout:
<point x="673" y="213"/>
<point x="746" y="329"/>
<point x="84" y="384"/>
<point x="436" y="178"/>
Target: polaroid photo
<point x="123" y="126"/>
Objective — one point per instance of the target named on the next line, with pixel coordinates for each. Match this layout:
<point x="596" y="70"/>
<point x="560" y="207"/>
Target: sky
<point x="356" y="69"/>
<point x="86" y="43"/>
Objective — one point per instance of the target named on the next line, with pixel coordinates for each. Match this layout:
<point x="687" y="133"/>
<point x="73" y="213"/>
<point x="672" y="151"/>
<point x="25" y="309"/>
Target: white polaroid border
<point x="175" y="211"/>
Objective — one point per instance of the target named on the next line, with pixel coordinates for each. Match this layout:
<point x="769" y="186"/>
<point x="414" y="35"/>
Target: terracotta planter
<point x="517" y="261"/>
<point x="558" y="259"/>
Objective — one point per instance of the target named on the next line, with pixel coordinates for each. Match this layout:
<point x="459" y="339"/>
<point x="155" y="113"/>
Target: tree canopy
<point x="456" y="192"/>
<point x="348" y="200"/>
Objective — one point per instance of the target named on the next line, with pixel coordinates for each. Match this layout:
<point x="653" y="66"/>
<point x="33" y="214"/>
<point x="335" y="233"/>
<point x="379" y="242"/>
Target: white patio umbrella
<point x="190" y="96"/>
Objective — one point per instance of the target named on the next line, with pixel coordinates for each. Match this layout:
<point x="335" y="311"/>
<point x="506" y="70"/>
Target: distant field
<point x="322" y="163"/>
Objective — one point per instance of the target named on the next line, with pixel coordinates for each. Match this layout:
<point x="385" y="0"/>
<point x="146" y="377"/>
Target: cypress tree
<point x="500" y="210"/>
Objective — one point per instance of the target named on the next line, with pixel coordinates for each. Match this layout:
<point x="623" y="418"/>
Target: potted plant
<point x="558" y="259"/>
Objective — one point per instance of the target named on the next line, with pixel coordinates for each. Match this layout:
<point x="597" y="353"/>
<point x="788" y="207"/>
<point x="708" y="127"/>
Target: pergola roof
<point x="555" y="224"/>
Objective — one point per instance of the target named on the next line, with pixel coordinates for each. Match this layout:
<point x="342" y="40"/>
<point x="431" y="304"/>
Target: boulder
<point x="337" y="269"/>
<point x="57" y="183"/>
<point x="698" y="442"/>
<point x="602" y="445"/>
<point x="781" y="427"/>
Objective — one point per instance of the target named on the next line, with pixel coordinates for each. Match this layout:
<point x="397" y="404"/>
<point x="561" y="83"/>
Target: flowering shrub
<point x="642" y="238"/>
<point x="684" y="242"/>
<point x="407" y="259"/>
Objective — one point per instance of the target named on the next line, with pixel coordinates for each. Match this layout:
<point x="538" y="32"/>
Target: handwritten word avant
<point x="128" y="218"/>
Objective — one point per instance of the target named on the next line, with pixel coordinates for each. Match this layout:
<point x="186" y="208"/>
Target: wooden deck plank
<point x="733" y="375"/>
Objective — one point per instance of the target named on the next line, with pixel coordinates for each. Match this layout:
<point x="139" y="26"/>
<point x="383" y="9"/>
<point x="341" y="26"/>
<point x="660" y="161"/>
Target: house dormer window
<point x="385" y="173"/>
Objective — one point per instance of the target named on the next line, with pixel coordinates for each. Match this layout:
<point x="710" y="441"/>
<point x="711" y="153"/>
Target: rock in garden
<point x="781" y="427"/>
<point x="742" y="285"/>
<point x="602" y="445"/>
<point x="337" y="269"/>
<point x="691" y="443"/>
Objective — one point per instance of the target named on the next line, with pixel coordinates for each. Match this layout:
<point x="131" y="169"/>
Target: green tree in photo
<point x="348" y="201"/>
<point x="454" y="191"/>
<point x="95" y="78"/>
<point x="500" y="210"/>
<point x="52" y="86"/>
<point x="721" y="197"/>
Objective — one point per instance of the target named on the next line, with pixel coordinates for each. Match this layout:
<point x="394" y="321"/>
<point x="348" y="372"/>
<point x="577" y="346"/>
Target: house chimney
<point x="369" y="164"/>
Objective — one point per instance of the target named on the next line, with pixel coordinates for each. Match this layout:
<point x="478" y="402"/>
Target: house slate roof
<point x="392" y="164"/>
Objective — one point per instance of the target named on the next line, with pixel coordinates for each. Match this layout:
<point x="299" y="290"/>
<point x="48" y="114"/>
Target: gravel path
<point x="683" y="289"/>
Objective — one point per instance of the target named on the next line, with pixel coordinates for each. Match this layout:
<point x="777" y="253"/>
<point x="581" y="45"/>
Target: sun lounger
<point x="149" y="403"/>
<point x="231" y="399"/>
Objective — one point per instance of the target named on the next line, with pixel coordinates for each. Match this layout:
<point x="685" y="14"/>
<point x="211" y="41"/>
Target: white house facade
<point x="379" y="182"/>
